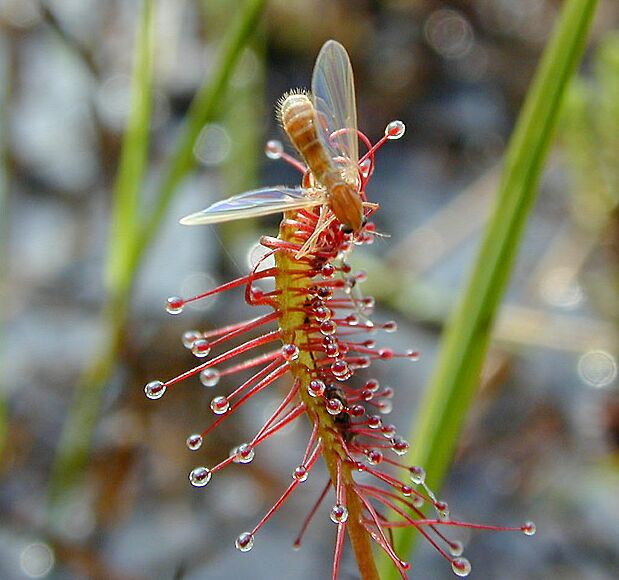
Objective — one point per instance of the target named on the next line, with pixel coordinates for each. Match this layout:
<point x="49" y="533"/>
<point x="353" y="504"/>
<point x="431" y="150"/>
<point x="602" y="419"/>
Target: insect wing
<point x="254" y="203"/>
<point x="333" y="91"/>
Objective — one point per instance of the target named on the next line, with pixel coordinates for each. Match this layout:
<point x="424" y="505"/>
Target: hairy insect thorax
<point x="299" y="120"/>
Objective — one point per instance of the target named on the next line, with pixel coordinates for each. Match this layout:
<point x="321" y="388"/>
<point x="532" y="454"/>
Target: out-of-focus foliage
<point x="591" y="136"/>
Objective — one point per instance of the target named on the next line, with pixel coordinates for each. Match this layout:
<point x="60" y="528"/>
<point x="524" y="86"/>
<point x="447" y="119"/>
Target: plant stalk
<point x="456" y="376"/>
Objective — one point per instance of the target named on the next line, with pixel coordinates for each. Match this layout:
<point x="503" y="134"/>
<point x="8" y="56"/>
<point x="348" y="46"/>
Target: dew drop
<point x="413" y="355"/>
<point x="418" y="474"/>
<point x="442" y="509"/>
<point x="322" y="314"/>
<point x="461" y="567"/>
<point x="529" y="528"/>
<point x="200" y="476"/>
<point x="274" y="149"/>
<point x="290" y="352"/>
<point x="406" y="490"/>
<point x="340" y="369"/>
<point x="390" y="326"/>
<point x="194" y="442"/>
<point x="244" y="453"/>
<point x="209" y="377"/>
<point x="417" y="502"/>
<point x="361" y="276"/>
<point x="220" y="405"/>
<point x="388" y="431"/>
<point x="369" y="302"/>
<point x="332" y="349"/>
<point x="339" y="514"/>
<point x="385" y="406"/>
<point x="375" y="422"/>
<point x="352" y="320"/>
<point x="245" y="542"/>
<point x="374" y="456"/>
<point x="316" y="388"/>
<point x="363" y="362"/>
<point x="334" y="406"/>
<point x="300" y="473"/>
<point x="400" y="446"/>
<point x="328" y="327"/>
<point x="357" y="411"/>
<point x="372" y="385"/>
<point x="155" y="390"/>
<point x="395" y="130"/>
<point x="456" y="548"/>
<point x="328" y="270"/>
<point x="201" y="348"/>
<point x="365" y="167"/>
<point x="189" y="337"/>
<point x="325" y="293"/>
<point x="174" y="305"/>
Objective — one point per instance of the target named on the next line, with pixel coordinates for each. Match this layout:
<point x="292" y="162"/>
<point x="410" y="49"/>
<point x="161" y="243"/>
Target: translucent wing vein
<point x="333" y="91"/>
<point x="258" y="202"/>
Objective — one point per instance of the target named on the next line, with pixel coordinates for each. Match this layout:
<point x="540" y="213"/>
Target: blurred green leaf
<point x="456" y="376"/>
<point x="134" y="153"/>
<point x="135" y="236"/>
<point x="203" y="109"/>
<point x="77" y="431"/>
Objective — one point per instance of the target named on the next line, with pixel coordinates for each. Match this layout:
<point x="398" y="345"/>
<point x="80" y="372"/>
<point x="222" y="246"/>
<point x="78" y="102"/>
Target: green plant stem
<point x="77" y="431"/>
<point x="134" y="155"/>
<point x="456" y="376"/>
<point x="74" y="446"/>
<point x="203" y="109"/>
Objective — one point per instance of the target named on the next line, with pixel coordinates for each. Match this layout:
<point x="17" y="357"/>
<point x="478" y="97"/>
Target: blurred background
<point x="93" y="476"/>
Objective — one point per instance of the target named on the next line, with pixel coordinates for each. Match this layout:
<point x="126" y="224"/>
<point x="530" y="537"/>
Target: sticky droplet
<point x="200" y="476"/>
<point x="174" y="305"/>
<point x="209" y="377"/>
<point x="274" y="149"/>
<point x="220" y="405"/>
<point x="395" y="129"/>
<point x="339" y="514"/>
<point x="461" y="567"/>
<point x="245" y="542"/>
<point x="194" y="442"/>
<point x="155" y="390"/>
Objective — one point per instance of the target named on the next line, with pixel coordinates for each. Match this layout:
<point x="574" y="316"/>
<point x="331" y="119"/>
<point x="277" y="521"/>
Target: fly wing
<point x="254" y="203"/>
<point x="333" y="92"/>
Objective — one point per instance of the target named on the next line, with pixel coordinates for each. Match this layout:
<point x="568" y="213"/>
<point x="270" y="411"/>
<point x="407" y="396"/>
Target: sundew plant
<point x="318" y="331"/>
<point x="119" y="118"/>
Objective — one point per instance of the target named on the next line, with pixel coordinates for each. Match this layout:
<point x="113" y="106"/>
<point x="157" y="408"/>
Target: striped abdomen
<point x="298" y="118"/>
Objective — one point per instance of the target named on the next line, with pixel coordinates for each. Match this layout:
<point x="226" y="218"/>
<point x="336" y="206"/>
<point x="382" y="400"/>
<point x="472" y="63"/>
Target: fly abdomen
<point x="297" y="116"/>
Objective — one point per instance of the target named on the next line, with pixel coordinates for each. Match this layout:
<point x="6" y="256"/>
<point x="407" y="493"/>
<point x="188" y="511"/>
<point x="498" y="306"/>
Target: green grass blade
<point x="134" y="153"/>
<point x="77" y="431"/>
<point x="203" y="109"/>
<point x="454" y="382"/>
